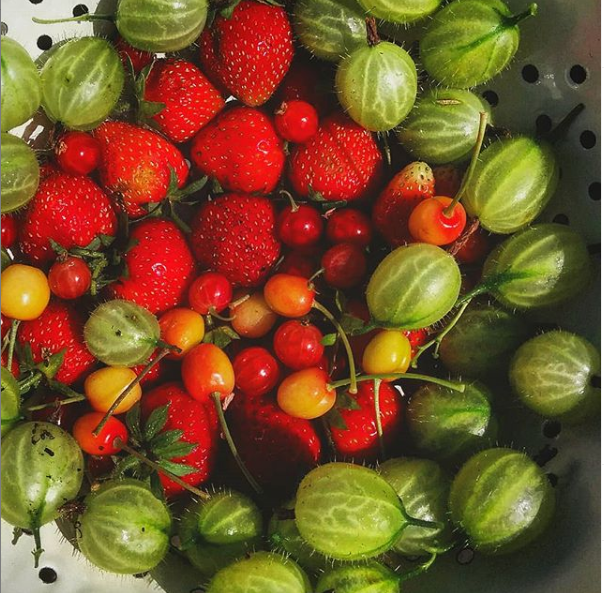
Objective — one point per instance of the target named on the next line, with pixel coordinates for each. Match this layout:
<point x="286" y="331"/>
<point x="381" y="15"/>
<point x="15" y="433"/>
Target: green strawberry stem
<point x="118" y="443"/>
<point x="231" y="443"/>
<point x="482" y="128"/>
<point x="459" y="387"/>
<point x="440" y="336"/>
<point x="75" y="19"/>
<point x="514" y="20"/>
<point x="378" y="416"/>
<point x="11" y="343"/>
<point x="353" y="380"/>
<point x="120" y="398"/>
<point x="57" y="404"/>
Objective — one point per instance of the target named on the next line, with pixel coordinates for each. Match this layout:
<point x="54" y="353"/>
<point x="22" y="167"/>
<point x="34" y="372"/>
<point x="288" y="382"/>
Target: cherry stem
<point x="560" y="130"/>
<point x="231" y="444"/>
<point x="239" y="301"/>
<point x="318" y="273"/>
<point x="440" y="337"/>
<point x="119" y="444"/>
<point x="58" y="403"/>
<point x="353" y="379"/>
<point x="459" y="387"/>
<point x="213" y="313"/>
<point x="458" y="245"/>
<point x="294" y="205"/>
<point x="11" y="343"/>
<point x="518" y="18"/>
<point x="378" y="416"/>
<point x="76" y="19"/>
<point x="482" y="128"/>
<point x="120" y="398"/>
<point x="373" y="37"/>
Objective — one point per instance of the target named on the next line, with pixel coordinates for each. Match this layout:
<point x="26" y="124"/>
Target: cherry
<point x="297" y="344"/>
<point x="138" y="58"/>
<point x="299" y="226"/>
<point x="210" y="293"/>
<point x="288" y="295"/>
<point x="104" y="442"/>
<point x="433" y="222"/>
<point x="99" y="467"/>
<point x="78" y="153"/>
<point x="348" y="225"/>
<point x="296" y="121"/>
<point x="69" y="277"/>
<point x="8" y="227"/>
<point x="297" y="264"/>
<point x="306" y="394"/>
<point x="252" y="317"/>
<point x="344" y="265"/>
<point x="256" y="371"/>
<point x="207" y="370"/>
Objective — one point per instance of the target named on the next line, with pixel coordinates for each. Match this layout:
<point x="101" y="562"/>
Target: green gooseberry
<point x="502" y="500"/>
<point x="450" y="426"/>
<point x="468" y="42"/>
<point x="370" y="577"/>
<point x="330" y="29"/>
<point x="401" y="11"/>
<point x="121" y="333"/>
<point x="10" y="402"/>
<point x="20" y="172"/>
<point x="557" y="375"/>
<point x="443" y="126"/>
<point x="413" y="287"/>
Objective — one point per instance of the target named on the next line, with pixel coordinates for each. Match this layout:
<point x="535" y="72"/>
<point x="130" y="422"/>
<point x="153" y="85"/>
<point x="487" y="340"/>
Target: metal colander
<point x="557" y="67"/>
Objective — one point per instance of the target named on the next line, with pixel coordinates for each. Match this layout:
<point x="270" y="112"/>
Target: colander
<point x="557" y="67"/>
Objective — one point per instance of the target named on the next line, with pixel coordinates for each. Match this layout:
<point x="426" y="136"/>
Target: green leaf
<point x="335" y="420"/>
<point x="329" y="339"/>
<point x="7" y="260"/>
<point x="106" y="240"/>
<point x="166" y="438"/>
<point x="341" y="301"/>
<point x="148" y="109"/>
<point x="315" y="196"/>
<point x="56" y="247"/>
<point x="178" y="469"/>
<point x="25" y="356"/>
<point x="221" y="336"/>
<point x="176" y="450"/>
<point x="345" y="401"/>
<point x="351" y="324"/>
<point x="133" y="422"/>
<point x="173" y="185"/>
<point x="156" y="487"/>
<point x="125" y="465"/>
<point x="50" y="367"/>
<point x="156" y="421"/>
<point x="216" y="187"/>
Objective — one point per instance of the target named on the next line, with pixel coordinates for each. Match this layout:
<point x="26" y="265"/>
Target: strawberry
<point x="359" y="441"/>
<point x="60" y="327"/>
<point x="190" y="99"/>
<point x="198" y="425"/>
<point x="136" y="164"/>
<point x="71" y="210"/>
<point x="392" y="209"/>
<point x="234" y="235"/>
<point x="159" y="268"/>
<point x="277" y="449"/>
<point x="342" y="161"/>
<point x="138" y="58"/>
<point x="241" y="150"/>
<point x="447" y="180"/>
<point x="249" y="52"/>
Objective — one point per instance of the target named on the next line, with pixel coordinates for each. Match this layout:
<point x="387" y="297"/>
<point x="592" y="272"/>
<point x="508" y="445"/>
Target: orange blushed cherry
<point x="432" y="222"/>
<point x="306" y="394"/>
<point x="182" y="328"/>
<point x="206" y="369"/>
<point x="103" y="444"/>
<point x="289" y="296"/>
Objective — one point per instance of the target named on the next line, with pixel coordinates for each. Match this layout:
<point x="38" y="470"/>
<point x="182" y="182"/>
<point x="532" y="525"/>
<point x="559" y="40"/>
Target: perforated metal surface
<point x="558" y="66"/>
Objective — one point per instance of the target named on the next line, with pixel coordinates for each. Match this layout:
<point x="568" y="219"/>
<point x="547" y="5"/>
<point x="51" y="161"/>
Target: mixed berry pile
<point x="266" y="286"/>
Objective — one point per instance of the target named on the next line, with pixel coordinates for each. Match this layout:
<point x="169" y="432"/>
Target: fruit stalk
<point x="373" y="37"/>
<point x="74" y="19"/>
<point x="516" y="19"/>
<point x="396" y="376"/>
<point x="378" y="416"/>
<point x="62" y="402"/>
<point x="11" y="343"/>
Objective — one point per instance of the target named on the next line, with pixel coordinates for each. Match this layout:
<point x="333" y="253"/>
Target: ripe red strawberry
<point x="342" y="161"/>
<point x="160" y="267"/>
<point x="277" y="449"/>
<point x="359" y="441"/>
<point x="240" y="149"/>
<point x="138" y="57"/>
<point x="234" y="235"/>
<point x="71" y="210"/>
<point x="59" y="327"/>
<point x="197" y="421"/>
<point x="447" y="180"/>
<point x="190" y="99"/>
<point x="394" y="206"/>
<point x="249" y="52"/>
<point x="136" y="163"/>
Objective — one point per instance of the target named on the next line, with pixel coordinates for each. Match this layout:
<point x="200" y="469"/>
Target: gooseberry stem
<point x="482" y="128"/>
<point x="518" y="18"/>
<point x="120" y="398"/>
<point x="459" y="387"/>
<point x="119" y="444"/>
<point x="439" y="338"/>
<point x="58" y="403"/>
<point x="231" y="443"/>
<point x="373" y="37"/>
<point x="420" y="569"/>
<point x="353" y="380"/>
<point x="38" y="550"/>
<point x="560" y="130"/>
<point x="75" y="19"/>
<point x="11" y="343"/>
<point x="378" y="416"/>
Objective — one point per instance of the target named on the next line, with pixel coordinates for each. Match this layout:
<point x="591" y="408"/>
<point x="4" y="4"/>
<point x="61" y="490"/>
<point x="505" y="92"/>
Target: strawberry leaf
<point x="163" y="439"/>
<point x="148" y="109"/>
<point x="335" y="420"/>
<point x="50" y="366"/>
<point x="156" y="421"/>
<point x="178" y="469"/>
<point x="341" y="301"/>
<point x="354" y="326"/>
<point x="221" y="336"/>
<point x="125" y="465"/>
<point x="329" y="339"/>
<point x="345" y="401"/>
<point x="216" y="188"/>
<point x="175" y="451"/>
<point x="156" y="487"/>
<point x="133" y="422"/>
<point x="57" y="248"/>
<point x="315" y="196"/>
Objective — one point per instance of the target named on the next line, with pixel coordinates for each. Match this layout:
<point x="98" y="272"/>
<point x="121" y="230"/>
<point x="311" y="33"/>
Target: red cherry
<point x="347" y="225"/>
<point x="8" y="227"/>
<point x="139" y="58"/>
<point x="299" y="226"/>
<point x="78" y="153"/>
<point x="344" y="265"/>
<point x="297" y="345"/>
<point x="104" y="443"/>
<point x="296" y="121"/>
<point x="298" y="264"/>
<point x="69" y="278"/>
<point x="210" y="292"/>
<point x="256" y="371"/>
<point x="475" y="249"/>
<point x="431" y="223"/>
